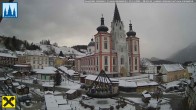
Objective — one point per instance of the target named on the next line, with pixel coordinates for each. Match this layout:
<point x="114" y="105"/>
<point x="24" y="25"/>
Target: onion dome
<point x="102" y="27"/>
<point x="92" y="43"/>
<point x="131" y="32"/>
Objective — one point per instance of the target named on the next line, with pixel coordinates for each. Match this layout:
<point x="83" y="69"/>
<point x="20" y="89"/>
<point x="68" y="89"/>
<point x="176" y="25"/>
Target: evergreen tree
<point x="57" y="79"/>
<point x="61" y="54"/>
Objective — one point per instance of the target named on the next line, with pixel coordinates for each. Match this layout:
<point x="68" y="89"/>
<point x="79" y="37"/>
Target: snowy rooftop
<point x="56" y="102"/>
<point x="124" y="83"/>
<point x="147" y="95"/>
<point x="93" y="77"/>
<point x="70" y="72"/>
<point x="34" y="52"/>
<point x="71" y="91"/>
<point x="173" y="67"/>
<point x="46" y="70"/>
<point x="18" y="65"/>
<point x="20" y="53"/>
<point x="10" y="55"/>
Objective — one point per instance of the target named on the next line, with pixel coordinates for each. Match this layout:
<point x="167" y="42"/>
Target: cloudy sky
<point x="162" y="28"/>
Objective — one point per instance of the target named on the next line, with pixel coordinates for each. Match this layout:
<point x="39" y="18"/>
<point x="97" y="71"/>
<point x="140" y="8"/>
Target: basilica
<point x="116" y="52"/>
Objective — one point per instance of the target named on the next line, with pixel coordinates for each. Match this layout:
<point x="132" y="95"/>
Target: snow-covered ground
<point x="164" y="103"/>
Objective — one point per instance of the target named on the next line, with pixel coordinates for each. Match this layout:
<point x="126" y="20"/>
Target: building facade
<point x="173" y="72"/>
<point x="114" y="52"/>
<point x="37" y="60"/>
<point x="8" y="58"/>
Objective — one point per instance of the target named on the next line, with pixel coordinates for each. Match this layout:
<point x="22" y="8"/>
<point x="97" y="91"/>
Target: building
<point x="112" y="52"/>
<point x="153" y="66"/>
<point x="8" y="58"/>
<point x="172" y="72"/>
<point x="191" y="93"/>
<point x="37" y="59"/>
<point x="47" y="73"/>
<point x="21" y="57"/>
<point x="192" y="68"/>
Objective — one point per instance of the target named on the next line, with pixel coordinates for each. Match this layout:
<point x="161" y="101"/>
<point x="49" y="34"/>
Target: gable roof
<point x="173" y="67"/>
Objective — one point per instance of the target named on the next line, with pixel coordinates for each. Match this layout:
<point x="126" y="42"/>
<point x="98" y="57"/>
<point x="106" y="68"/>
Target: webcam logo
<point x="10" y="10"/>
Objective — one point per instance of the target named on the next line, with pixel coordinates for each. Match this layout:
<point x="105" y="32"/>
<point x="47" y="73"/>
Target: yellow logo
<point x="8" y="101"/>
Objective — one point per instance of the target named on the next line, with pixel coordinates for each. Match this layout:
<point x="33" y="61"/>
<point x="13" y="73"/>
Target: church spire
<point x="116" y="14"/>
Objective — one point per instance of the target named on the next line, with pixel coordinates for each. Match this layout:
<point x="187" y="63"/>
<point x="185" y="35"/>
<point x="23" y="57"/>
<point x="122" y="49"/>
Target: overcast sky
<point x="162" y="28"/>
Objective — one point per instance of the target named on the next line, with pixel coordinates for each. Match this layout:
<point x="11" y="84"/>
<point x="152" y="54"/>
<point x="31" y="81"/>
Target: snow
<point x="173" y="67"/>
<point x="70" y="91"/>
<point x="66" y="50"/>
<point x="93" y="77"/>
<point x="15" y="84"/>
<point x="124" y="83"/>
<point x="10" y="55"/>
<point x="21" y="65"/>
<point x="34" y="52"/>
<point x="46" y="70"/>
<point x="163" y="103"/>
<point x="147" y="95"/>
<point x="56" y="102"/>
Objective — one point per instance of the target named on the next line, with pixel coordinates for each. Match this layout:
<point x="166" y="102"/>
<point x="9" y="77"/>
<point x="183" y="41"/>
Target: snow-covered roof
<point x="34" y="52"/>
<point x="147" y="95"/>
<point x="63" y="69"/>
<point x="93" y="77"/>
<point x="19" y="65"/>
<point x="15" y="84"/>
<point x="10" y="55"/>
<point x="71" y="91"/>
<point x="173" y="67"/>
<point x="47" y="84"/>
<point x="71" y="72"/>
<point x="20" y="86"/>
<point x="51" y="103"/>
<point x="144" y="83"/>
<point x="46" y="70"/>
<point x="14" y="72"/>
<point x="124" y="83"/>
<point x="20" y="53"/>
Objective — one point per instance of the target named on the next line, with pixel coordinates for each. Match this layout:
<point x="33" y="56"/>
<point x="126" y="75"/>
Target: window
<point x="135" y="61"/>
<point x="106" y="68"/>
<point x="135" y="46"/>
<point x="97" y="45"/>
<point x="135" y="67"/>
<point x="114" y="61"/>
<point x="89" y="50"/>
<point x="106" y="60"/>
<point x="33" y="62"/>
<point x="122" y="61"/>
<point x="105" y="45"/>
<point x="97" y="61"/>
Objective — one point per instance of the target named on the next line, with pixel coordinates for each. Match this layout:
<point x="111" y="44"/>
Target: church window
<point x="106" y="60"/>
<point x="135" y="67"/>
<point x="135" y="46"/>
<point x="97" y="61"/>
<point x="135" y="61"/>
<point x="106" y="68"/>
<point x="97" y="45"/>
<point x="105" y="45"/>
<point x="114" y="61"/>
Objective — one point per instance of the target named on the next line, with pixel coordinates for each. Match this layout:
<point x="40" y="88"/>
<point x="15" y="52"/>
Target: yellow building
<point x="172" y="72"/>
<point x="60" y="61"/>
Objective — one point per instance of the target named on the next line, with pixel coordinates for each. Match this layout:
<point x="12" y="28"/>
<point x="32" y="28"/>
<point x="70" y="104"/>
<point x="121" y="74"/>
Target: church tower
<point x="119" y="43"/>
<point x="133" y="50"/>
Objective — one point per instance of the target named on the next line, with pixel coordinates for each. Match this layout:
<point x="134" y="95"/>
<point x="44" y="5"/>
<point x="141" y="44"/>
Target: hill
<point x="184" y="55"/>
